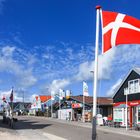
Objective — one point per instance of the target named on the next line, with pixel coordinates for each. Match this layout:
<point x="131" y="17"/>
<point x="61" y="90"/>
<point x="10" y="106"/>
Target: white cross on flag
<point x="119" y="29"/>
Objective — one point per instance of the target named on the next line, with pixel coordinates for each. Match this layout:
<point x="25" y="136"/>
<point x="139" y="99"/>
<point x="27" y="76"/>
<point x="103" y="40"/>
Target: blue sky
<point x="49" y="44"/>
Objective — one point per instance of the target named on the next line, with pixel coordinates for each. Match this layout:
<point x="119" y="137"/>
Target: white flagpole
<point x="60" y="97"/>
<point x="83" y="104"/>
<point x="51" y="107"/>
<point x="59" y="103"/>
<point x="12" y="102"/>
<point x="59" y="106"/>
<point x="83" y="108"/>
<point x="95" y="75"/>
<point x="51" y="104"/>
<point x="126" y="110"/>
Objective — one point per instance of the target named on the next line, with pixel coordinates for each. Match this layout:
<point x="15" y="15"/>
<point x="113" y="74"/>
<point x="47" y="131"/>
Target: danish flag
<point x="4" y="99"/>
<point x="11" y="96"/>
<point x="119" y="29"/>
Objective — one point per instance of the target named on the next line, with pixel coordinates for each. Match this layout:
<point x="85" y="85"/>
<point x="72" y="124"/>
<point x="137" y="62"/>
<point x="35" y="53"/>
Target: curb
<point x="130" y="133"/>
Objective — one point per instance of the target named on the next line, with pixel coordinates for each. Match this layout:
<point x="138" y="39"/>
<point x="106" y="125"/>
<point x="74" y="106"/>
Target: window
<point x="134" y="86"/>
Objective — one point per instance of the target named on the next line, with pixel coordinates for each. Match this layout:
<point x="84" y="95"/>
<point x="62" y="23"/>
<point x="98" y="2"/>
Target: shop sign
<point x="76" y="105"/>
<point x="118" y="115"/>
<point x="130" y="103"/>
<point x="134" y="103"/>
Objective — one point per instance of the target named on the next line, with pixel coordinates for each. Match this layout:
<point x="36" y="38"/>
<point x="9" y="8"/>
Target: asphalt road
<point x="37" y="128"/>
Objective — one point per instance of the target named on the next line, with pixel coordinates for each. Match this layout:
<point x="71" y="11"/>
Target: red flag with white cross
<point x="119" y="29"/>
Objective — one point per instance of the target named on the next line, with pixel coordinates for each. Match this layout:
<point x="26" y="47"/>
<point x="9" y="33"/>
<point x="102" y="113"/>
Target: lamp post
<point x="61" y="96"/>
<point x="51" y="107"/>
<point x="52" y="98"/>
<point x="93" y="85"/>
<point x="126" y="92"/>
<point x="47" y="110"/>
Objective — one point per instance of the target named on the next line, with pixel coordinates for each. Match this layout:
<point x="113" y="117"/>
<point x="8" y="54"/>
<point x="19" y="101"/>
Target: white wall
<point x="63" y="114"/>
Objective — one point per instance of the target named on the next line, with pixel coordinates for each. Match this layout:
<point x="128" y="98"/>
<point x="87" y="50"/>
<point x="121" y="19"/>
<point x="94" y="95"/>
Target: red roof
<point x="43" y="98"/>
<point x="89" y="100"/>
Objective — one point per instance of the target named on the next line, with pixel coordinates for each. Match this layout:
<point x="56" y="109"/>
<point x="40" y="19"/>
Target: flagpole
<point x="12" y="92"/>
<point x="51" y="104"/>
<point x="12" y="102"/>
<point x="126" y="110"/>
<point x="60" y="98"/>
<point x="59" y="106"/>
<point x="59" y="102"/>
<point x="95" y="75"/>
<point x="83" y="105"/>
<point x="83" y="108"/>
<point x="51" y="107"/>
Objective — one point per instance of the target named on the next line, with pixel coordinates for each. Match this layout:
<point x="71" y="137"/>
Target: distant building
<point x="21" y="107"/>
<point x="38" y="103"/>
<point x="73" y="107"/>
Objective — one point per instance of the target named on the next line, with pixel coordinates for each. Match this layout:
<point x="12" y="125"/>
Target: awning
<point x="122" y="106"/>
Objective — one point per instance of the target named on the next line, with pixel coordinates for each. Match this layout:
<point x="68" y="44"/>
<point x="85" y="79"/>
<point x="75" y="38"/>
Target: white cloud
<point x="26" y="78"/>
<point x="6" y="94"/>
<point x="48" y="56"/>
<point x="112" y="90"/>
<point x="84" y="71"/>
<point x="32" y="97"/>
<point x="7" y="51"/>
<point x="31" y="60"/>
<point x="18" y="95"/>
<point x="105" y="64"/>
<point x="57" y="84"/>
<point x="119" y="58"/>
<point x="127" y="56"/>
<point x="104" y="67"/>
<point x="23" y="75"/>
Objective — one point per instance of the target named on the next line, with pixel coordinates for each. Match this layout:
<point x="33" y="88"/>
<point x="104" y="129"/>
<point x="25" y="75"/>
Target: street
<point x="43" y="128"/>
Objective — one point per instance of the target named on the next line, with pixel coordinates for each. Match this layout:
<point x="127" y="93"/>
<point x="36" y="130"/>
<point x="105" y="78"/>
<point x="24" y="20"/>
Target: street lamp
<point x="52" y="98"/>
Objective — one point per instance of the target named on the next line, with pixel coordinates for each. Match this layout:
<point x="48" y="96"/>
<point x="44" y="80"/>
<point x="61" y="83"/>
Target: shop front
<point x="65" y="114"/>
<point x="133" y="113"/>
<point x="77" y="111"/>
<point x="73" y="107"/>
<point x="127" y="97"/>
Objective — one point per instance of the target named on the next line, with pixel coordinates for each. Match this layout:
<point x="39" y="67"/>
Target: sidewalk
<point x="28" y="135"/>
<point x="121" y="131"/>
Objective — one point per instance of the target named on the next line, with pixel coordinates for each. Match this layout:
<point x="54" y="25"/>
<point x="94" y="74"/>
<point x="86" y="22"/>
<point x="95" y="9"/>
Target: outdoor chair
<point x="110" y="123"/>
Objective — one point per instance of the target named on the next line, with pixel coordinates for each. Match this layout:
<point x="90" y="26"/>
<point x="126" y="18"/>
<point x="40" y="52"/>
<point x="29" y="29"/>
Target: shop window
<point x="134" y="86"/>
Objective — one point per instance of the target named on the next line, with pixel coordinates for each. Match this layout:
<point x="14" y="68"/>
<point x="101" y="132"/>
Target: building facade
<point x="72" y="108"/>
<point x="126" y="100"/>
